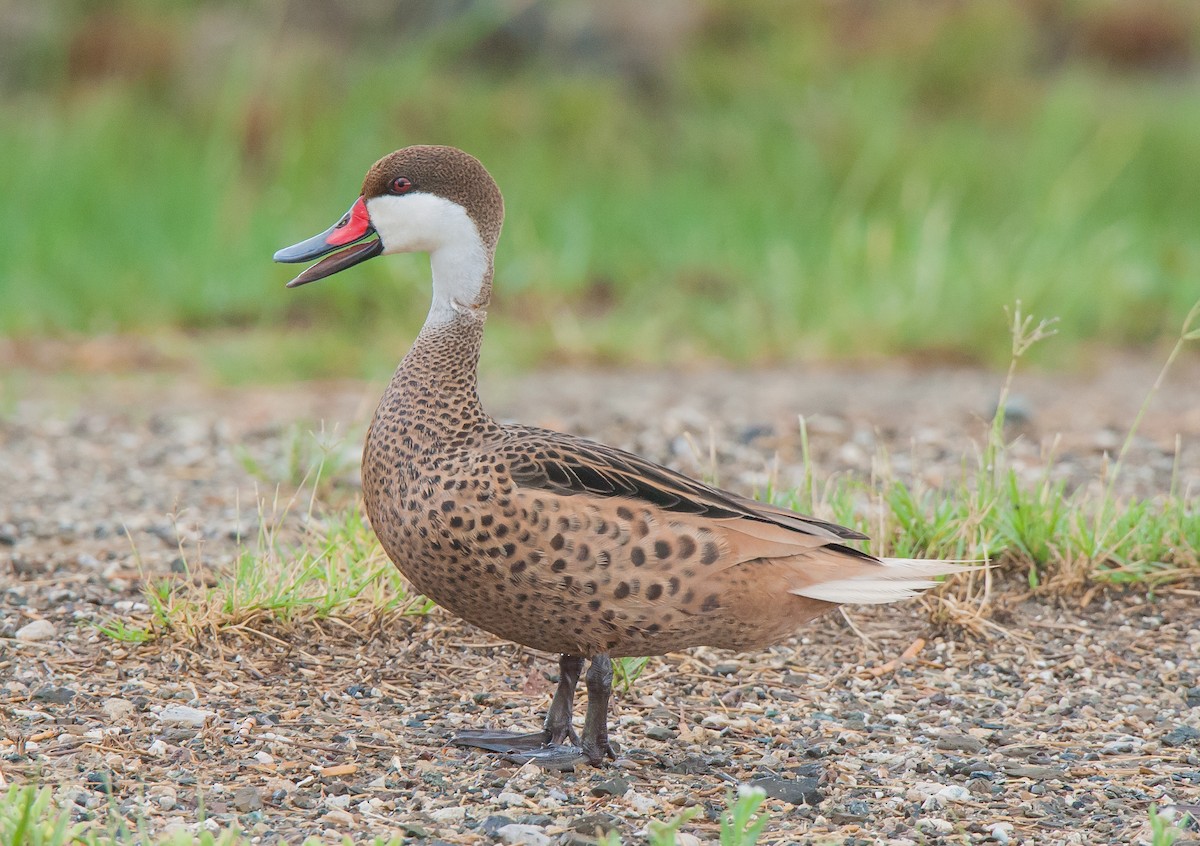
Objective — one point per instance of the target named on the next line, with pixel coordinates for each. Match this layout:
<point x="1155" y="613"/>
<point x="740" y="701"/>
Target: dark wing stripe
<point x="568" y="466"/>
<point x="594" y="480"/>
<point x="558" y="474"/>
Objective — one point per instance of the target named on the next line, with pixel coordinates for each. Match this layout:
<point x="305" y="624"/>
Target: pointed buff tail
<point x="894" y="579"/>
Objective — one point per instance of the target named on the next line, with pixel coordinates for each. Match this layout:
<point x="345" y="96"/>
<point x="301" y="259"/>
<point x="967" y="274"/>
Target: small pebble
<point x="184" y="715"/>
<point x="448" y="815"/>
<point x="610" y="787"/>
<point x="165" y="798"/>
<point x="957" y="742"/>
<point x="54" y="695"/>
<point x="246" y="799"/>
<point x="1001" y="833"/>
<point x="117" y="710"/>
<point x="38" y="630"/>
<point x="523" y="835"/>
<point x="1182" y="736"/>
<point x="490" y="827"/>
<point x="660" y="733"/>
<point x="339" y="817"/>
<point x="1121" y="746"/>
<point x="797" y="791"/>
<point x="935" y="825"/>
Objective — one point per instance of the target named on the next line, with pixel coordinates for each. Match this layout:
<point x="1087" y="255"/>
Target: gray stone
<point x="54" y="695"/>
<point x="610" y="787"/>
<point x="797" y="791"/>
<point x="184" y="715"/>
<point x="490" y="827"/>
<point x="246" y="799"/>
<point x="1182" y="736"/>
<point x="661" y="733"/>
<point x="959" y="742"/>
<point x="165" y="797"/>
<point x="1031" y="771"/>
<point x="855" y="811"/>
<point x="592" y="823"/>
<point x="100" y="780"/>
<point x="117" y="710"/>
<point x="523" y="835"/>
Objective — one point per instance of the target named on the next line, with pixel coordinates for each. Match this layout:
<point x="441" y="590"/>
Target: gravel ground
<point x="1062" y="725"/>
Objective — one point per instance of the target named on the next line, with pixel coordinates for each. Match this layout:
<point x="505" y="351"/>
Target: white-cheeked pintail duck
<point x="542" y="538"/>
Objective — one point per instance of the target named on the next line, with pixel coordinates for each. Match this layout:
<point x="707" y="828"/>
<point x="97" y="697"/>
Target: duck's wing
<point x="808" y="554"/>
<point x="572" y="466"/>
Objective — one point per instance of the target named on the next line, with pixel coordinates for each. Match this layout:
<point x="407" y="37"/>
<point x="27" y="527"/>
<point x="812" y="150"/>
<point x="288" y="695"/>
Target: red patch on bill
<point x="354" y="228"/>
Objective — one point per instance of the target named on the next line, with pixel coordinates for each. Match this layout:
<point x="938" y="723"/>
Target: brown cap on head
<point x="445" y="172"/>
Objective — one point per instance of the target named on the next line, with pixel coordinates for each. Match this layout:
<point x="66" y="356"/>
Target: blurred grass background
<point x="685" y="180"/>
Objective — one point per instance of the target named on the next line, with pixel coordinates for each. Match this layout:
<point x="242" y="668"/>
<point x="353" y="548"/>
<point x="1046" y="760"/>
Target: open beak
<point x="354" y="232"/>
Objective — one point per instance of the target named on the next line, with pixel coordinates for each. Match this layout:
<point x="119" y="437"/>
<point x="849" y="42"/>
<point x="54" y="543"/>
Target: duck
<point x="545" y="539"/>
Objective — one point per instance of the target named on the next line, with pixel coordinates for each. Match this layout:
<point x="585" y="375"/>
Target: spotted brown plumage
<point x="546" y="539"/>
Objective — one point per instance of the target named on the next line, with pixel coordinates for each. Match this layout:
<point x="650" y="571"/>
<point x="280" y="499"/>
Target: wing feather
<point x="540" y="459"/>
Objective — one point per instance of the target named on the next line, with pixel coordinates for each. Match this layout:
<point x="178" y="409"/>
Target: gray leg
<point x="548" y="747"/>
<point x="559" y="720"/>
<point x="595" y="725"/>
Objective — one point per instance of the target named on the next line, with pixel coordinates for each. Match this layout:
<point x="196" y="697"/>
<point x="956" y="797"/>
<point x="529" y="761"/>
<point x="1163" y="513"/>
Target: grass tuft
<point x="331" y="567"/>
<point x="1165" y="827"/>
<point x="994" y="514"/>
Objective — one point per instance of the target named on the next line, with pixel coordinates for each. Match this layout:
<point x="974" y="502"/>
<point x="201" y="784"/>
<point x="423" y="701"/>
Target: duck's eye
<point x="400" y="185"/>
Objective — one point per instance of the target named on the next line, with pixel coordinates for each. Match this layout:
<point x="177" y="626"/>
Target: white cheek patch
<point x="420" y="223"/>
<point x="427" y="223"/>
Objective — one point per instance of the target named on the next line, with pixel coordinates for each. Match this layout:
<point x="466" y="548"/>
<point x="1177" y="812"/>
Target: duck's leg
<point x="559" y="719"/>
<point x="547" y="743"/>
<point x="595" y="744"/>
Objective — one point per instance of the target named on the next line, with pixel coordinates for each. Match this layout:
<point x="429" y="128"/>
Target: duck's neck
<point x="436" y="381"/>
<point x="462" y="282"/>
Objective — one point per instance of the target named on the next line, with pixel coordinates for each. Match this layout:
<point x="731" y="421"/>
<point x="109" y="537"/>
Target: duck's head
<point x="431" y="199"/>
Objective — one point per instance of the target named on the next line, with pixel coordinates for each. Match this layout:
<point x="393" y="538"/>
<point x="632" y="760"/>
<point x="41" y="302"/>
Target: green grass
<point x="993" y="514"/>
<point x="299" y="568"/>
<point x="1165" y="829"/>
<point x="781" y="190"/>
